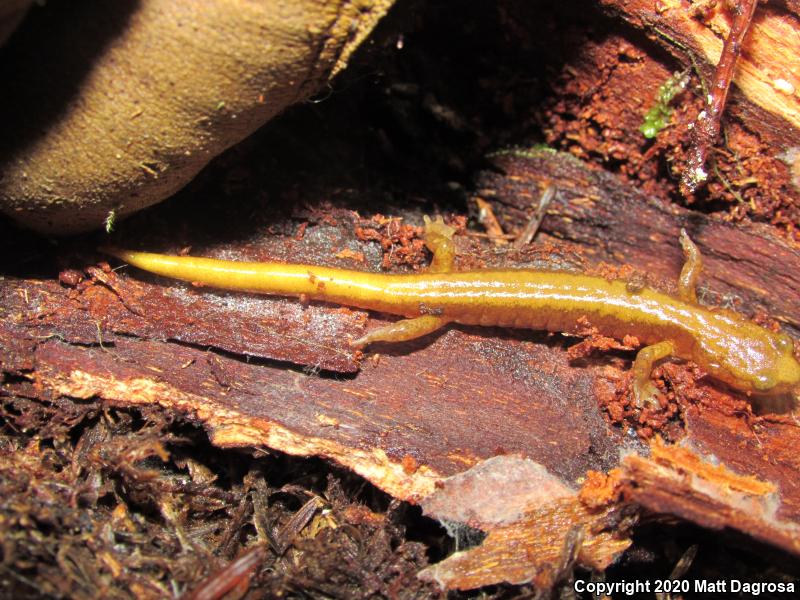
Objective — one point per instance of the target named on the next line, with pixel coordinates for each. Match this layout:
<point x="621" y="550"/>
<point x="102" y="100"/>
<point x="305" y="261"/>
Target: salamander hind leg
<point x="402" y="331"/>
<point x="690" y="273"/>
<point x="644" y="391"/>
<point x="439" y="240"/>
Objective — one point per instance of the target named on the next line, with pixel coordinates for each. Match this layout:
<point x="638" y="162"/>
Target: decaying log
<point x="529" y="437"/>
<point x="535" y="539"/>
<point x="680" y="482"/>
<point x="468" y="407"/>
<point x="766" y="74"/>
<point x="603" y="92"/>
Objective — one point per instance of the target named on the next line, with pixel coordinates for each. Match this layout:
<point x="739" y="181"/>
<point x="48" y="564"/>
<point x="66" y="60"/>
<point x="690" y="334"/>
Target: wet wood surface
<point x="765" y="78"/>
<point x="271" y="372"/>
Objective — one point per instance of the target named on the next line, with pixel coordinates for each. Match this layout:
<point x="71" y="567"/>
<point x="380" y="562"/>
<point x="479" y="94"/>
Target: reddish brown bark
<point x="419" y="414"/>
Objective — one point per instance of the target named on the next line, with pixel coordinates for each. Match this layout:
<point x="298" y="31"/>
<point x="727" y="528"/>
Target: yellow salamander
<point x="728" y="346"/>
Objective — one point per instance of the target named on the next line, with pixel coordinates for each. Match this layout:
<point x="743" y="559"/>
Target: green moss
<point x="657" y="118"/>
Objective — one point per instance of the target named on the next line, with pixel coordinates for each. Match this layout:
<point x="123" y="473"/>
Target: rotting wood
<point x="124" y="346"/>
<point x="423" y="411"/>
<point x="707" y="126"/>
<point x="604" y="92"/>
<point x="765" y="75"/>
<point x="538" y="527"/>
<point x="678" y="481"/>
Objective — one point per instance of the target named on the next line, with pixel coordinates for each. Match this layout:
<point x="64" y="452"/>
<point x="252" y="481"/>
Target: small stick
<point x="487" y="218"/>
<point x="707" y="125"/>
<point x="236" y="575"/>
<point x="532" y="228"/>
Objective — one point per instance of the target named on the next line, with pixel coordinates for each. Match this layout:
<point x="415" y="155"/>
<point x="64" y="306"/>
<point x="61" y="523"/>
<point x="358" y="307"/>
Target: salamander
<point x="731" y="348"/>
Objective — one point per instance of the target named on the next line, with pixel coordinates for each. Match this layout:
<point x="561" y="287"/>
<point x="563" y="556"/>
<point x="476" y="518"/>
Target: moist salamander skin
<point x="728" y="346"/>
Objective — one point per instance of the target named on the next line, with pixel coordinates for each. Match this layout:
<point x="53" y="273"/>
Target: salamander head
<point x="780" y="372"/>
<point x="752" y="359"/>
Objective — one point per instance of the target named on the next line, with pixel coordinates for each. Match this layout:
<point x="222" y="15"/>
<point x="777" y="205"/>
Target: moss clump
<point x="657" y="118"/>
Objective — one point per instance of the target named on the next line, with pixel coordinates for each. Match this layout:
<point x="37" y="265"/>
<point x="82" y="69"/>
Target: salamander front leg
<point x="644" y="391"/>
<point x="690" y="273"/>
<point x="439" y="240"/>
<point x="402" y="331"/>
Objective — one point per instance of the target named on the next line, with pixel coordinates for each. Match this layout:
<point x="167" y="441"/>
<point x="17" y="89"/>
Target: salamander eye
<point x="763" y="382"/>
<point x="784" y="343"/>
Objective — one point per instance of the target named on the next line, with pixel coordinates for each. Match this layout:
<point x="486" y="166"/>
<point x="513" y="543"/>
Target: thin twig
<point x="235" y="575"/>
<point x="707" y="126"/>
<point x="487" y="218"/>
<point x="532" y="228"/>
